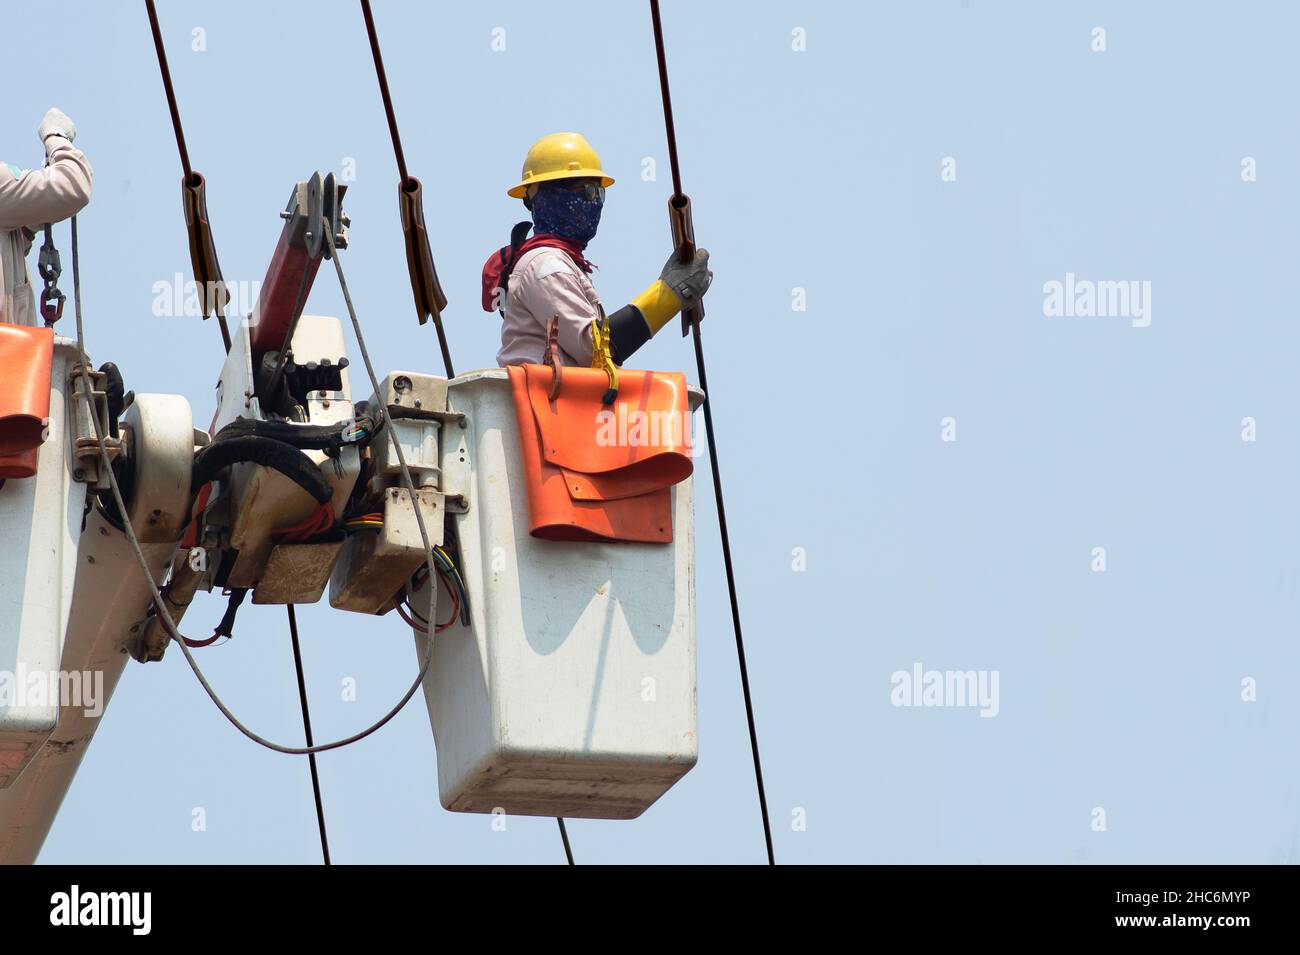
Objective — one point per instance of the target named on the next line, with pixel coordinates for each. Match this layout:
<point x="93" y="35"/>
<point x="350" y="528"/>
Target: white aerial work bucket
<point x="572" y="692"/>
<point x="40" y="525"/>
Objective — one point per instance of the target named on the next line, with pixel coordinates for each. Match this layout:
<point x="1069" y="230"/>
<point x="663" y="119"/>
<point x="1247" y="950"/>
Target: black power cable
<point x="306" y="725"/>
<point x="564" y="834"/>
<point x="713" y="447"/>
<point x="167" y="87"/>
<point x="408" y="184"/>
<point x="406" y="178"/>
<point x="180" y="132"/>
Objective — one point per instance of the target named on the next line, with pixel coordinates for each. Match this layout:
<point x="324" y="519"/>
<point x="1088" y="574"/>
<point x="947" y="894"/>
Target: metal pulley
<point x="318" y="205"/>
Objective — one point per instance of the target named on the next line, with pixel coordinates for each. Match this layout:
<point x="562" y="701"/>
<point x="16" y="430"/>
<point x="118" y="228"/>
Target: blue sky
<point x="818" y="169"/>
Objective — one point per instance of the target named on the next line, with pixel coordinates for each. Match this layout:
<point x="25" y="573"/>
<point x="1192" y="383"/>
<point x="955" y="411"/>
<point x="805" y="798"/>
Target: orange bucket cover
<point x="597" y="472"/>
<point x="26" y="359"/>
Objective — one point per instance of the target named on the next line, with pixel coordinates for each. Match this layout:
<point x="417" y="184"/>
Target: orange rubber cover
<point x="20" y="465"/>
<point x="26" y="358"/>
<point x="597" y="472"/>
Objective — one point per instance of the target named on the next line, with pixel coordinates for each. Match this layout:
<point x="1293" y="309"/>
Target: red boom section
<point x="292" y="269"/>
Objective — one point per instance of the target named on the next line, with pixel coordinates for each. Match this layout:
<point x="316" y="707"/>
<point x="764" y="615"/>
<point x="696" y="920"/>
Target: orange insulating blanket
<point x="597" y="472"/>
<point x="26" y="358"/>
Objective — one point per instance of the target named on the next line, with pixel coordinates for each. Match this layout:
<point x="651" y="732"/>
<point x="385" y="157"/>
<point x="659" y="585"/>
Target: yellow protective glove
<point x="658" y="304"/>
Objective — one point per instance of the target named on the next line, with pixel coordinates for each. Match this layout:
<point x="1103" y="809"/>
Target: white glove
<point x="57" y="123"/>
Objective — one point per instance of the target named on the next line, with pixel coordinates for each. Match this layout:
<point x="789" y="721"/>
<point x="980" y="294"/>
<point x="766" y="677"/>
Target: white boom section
<point x="107" y="601"/>
<point x="40" y="524"/>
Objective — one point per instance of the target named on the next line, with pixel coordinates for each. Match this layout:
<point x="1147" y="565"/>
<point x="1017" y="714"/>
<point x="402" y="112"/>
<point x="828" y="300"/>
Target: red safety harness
<point x="497" y="269"/>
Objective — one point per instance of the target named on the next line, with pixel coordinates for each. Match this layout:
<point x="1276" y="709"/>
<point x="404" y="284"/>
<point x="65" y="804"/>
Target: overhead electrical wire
<point x="564" y="835"/>
<point x="679" y="197"/>
<point x="190" y="176"/>
<point x="382" y="76"/>
<point x="306" y="726"/>
<point x="391" y="116"/>
<point x="408" y="183"/>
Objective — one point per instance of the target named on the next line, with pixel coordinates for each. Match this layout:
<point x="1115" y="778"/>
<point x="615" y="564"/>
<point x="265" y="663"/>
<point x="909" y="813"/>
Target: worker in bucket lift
<point x="535" y="280"/>
<point x="28" y="200"/>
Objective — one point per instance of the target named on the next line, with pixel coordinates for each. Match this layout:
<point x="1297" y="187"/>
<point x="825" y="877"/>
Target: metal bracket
<point x="406" y="394"/>
<point x="87" y="465"/>
<point x="317" y="204"/>
<point x="455" y="418"/>
<point x="456" y="480"/>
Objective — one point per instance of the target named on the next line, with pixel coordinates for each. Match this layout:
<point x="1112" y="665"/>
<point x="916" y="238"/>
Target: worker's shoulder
<point x="545" y="260"/>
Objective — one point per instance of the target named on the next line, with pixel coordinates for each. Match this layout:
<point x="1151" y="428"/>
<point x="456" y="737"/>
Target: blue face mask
<point x="569" y="215"/>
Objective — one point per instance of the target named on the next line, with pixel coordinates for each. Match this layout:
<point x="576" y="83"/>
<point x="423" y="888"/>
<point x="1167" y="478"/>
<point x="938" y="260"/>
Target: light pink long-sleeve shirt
<point x="28" y="200"/>
<point x="546" y="282"/>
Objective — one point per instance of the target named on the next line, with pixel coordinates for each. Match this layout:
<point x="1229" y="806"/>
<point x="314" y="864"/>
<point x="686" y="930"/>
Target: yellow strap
<point x="658" y="304"/>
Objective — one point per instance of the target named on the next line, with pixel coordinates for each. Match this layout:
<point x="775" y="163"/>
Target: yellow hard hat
<point x="560" y="156"/>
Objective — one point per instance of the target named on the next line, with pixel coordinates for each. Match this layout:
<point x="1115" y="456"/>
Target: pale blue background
<point x="817" y="170"/>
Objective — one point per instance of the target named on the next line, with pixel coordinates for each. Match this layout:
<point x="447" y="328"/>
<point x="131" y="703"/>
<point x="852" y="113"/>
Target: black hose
<point x="277" y="455"/>
<point x="308" y="437"/>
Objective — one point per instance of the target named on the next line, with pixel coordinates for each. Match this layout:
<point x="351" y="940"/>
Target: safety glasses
<point x="591" y="191"/>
